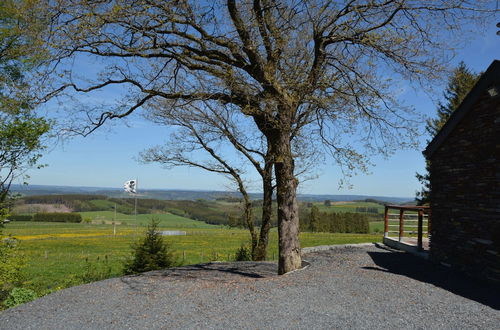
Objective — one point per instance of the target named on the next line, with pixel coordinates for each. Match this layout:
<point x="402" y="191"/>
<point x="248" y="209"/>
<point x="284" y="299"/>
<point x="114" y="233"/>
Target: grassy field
<point x="166" y="219"/>
<point x="376" y="227"/>
<point x="58" y="253"/>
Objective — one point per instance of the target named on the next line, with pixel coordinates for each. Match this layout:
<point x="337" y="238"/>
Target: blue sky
<point x="107" y="158"/>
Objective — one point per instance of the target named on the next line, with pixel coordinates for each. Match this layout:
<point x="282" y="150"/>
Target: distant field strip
<point x="166" y="219"/>
<point x="70" y="235"/>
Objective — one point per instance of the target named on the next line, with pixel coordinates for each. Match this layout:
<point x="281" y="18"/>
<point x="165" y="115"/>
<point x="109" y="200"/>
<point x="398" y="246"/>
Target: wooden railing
<point x="405" y="220"/>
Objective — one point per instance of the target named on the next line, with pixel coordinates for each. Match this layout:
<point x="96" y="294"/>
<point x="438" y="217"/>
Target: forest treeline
<point x="201" y="210"/>
<point x="313" y="220"/>
<point x="224" y="211"/>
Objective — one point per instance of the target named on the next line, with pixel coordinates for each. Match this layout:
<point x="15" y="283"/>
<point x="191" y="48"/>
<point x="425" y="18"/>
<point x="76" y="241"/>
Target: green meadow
<point x="58" y="254"/>
<point x="166" y="219"/>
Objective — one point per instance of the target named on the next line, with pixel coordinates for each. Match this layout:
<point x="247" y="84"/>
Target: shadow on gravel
<point x="424" y="271"/>
<point x="215" y="272"/>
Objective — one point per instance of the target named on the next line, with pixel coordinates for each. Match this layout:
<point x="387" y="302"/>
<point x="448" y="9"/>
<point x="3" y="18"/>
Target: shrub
<point x="243" y="253"/>
<point x="19" y="296"/>
<point x="11" y="262"/>
<point x="58" y="217"/>
<point x="151" y="253"/>
<point x="96" y="271"/>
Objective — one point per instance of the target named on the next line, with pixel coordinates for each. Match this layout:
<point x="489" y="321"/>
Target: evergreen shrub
<point x="150" y="253"/>
<point x="243" y="253"/>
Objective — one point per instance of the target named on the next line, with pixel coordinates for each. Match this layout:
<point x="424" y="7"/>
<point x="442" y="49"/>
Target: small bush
<point x="151" y="253"/>
<point x="11" y="262"/>
<point x="19" y="296"/>
<point x="96" y="271"/>
<point x="243" y="253"/>
<point x="58" y="217"/>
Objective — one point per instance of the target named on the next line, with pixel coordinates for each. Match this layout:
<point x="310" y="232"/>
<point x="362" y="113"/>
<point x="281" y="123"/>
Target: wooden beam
<point x="401" y="224"/>
<point x="386" y="221"/>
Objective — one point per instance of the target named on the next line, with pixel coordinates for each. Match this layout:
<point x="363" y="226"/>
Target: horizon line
<point x="203" y="190"/>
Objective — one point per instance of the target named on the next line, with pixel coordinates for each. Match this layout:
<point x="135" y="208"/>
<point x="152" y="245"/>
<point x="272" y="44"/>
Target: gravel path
<point x="352" y="287"/>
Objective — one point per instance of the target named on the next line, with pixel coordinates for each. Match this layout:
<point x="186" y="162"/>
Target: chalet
<point x="465" y="183"/>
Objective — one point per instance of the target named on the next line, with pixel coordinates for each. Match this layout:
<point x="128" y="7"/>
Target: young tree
<point x="460" y="82"/>
<point x="320" y="69"/>
<point x="151" y="253"/>
<point x="314" y="219"/>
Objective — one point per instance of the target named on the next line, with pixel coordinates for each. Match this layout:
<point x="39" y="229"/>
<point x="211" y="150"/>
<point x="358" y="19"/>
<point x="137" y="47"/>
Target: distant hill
<point x="32" y="190"/>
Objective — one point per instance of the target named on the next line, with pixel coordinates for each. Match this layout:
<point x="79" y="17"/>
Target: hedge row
<point x="20" y="217"/>
<point x="60" y="199"/>
<point x="347" y="222"/>
<point x="57" y="217"/>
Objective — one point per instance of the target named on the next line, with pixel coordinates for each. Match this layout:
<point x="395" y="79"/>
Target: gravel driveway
<point x="352" y="287"/>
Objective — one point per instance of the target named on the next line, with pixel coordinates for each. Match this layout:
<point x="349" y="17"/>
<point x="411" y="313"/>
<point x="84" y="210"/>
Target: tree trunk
<point x="267" y="212"/>
<point x="288" y="212"/>
<point x="247" y="212"/>
<point x="248" y="215"/>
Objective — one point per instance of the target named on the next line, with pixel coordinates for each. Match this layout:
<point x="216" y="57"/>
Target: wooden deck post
<point x="386" y="222"/>
<point x="401" y="224"/>
<point x="429" y="223"/>
<point x="420" y="231"/>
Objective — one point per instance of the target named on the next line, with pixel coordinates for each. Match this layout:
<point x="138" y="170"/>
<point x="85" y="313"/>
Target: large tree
<point x="21" y="130"/>
<point x="210" y="129"/>
<point x="328" y="70"/>
<point x="460" y="82"/>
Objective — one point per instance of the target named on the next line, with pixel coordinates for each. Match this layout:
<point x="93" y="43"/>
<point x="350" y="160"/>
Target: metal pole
<point x="429" y="213"/>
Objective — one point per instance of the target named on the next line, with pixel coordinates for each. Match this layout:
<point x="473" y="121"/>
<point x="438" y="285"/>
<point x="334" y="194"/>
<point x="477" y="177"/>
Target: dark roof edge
<point x="490" y="77"/>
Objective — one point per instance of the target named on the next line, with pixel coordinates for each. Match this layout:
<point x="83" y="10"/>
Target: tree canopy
<point x="324" y="71"/>
<point x="460" y="82"/>
<point x="21" y="130"/>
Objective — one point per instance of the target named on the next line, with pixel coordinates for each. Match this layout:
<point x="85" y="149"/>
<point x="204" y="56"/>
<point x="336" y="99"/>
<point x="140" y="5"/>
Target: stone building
<point x="465" y="183"/>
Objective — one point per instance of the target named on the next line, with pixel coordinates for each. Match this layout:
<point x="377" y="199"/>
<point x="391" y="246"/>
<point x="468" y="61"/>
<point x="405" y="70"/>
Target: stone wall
<point x="465" y="194"/>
